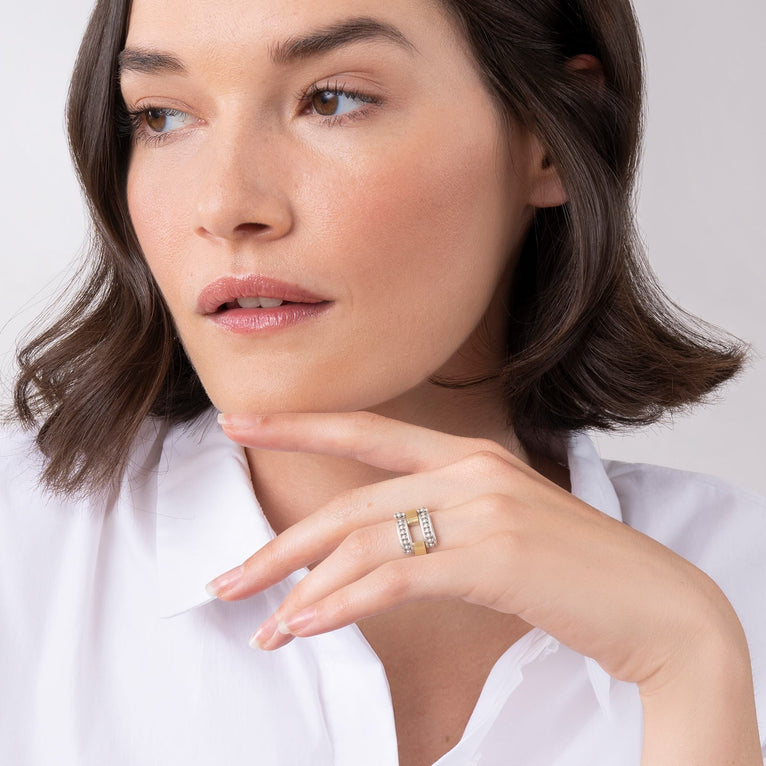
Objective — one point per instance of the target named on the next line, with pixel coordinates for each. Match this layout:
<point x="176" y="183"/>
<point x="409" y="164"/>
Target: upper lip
<point x="227" y="289"/>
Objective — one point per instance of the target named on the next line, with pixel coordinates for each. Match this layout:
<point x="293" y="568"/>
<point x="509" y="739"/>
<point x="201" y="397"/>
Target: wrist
<point x="699" y="708"/>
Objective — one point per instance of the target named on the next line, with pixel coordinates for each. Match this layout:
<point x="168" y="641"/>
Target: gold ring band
<point x="416" y="517"/>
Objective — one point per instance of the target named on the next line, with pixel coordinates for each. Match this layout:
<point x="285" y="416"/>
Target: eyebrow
<point x="147" y="61"/>
<point x="335" y="36"/>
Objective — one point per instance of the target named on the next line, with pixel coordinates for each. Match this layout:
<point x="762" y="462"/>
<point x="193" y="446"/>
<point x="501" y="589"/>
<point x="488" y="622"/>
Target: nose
<point x="241" y="189"/>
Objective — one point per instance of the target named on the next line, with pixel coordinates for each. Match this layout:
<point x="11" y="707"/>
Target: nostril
<point x="252" y="228"/>
<point x="251" y="216"/>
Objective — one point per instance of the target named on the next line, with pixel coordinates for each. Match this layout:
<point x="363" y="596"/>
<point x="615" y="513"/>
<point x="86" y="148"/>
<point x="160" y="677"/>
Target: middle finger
<point x="313" y="538"/>
<point x="367" y="548"/>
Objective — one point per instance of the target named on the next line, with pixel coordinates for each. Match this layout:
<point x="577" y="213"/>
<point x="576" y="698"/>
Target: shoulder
<point x="38" y="526"/>
<point x="51" y="545"/>
<point x="715" y="525"/>
<point x="701" y="515"/>
<point x="39" y="534"/>
<point x="22" y="465"/>
<point x="20" y="459"/>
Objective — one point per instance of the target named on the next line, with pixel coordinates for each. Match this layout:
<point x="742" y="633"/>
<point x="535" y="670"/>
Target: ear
<point x="588" y="66"/>
<point x="547" y="189"/>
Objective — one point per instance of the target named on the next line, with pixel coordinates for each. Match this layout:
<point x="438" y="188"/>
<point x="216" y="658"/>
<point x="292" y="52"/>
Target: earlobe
<point x="546" y="189"/>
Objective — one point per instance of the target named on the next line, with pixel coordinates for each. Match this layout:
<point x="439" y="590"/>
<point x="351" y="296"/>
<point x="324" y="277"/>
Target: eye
<point x="165" y="120"/>
<point x="330" y="103"/>
<point x="153" y="125"/>
<point x="335" y="103"/>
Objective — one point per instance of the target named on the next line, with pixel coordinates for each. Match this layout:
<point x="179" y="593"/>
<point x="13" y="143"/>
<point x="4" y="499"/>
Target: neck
<point x="290" y="486"/>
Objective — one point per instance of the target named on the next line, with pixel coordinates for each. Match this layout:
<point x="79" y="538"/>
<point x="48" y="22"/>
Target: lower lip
<point x="268" y="320"/>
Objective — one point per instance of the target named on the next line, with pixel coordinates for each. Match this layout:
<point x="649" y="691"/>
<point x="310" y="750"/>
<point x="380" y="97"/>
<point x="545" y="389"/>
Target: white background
<point x="700" y="208"/>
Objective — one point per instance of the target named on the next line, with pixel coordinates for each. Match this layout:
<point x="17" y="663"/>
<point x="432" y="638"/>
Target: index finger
<point x="369" y="438"/>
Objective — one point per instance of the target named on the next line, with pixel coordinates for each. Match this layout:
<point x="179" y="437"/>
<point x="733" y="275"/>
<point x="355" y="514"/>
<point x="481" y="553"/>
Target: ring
<point x="407" y="519"/>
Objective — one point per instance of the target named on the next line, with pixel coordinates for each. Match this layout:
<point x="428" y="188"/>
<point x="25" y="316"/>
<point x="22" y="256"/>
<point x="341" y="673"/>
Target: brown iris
<point x="156" y="119"/>
<point x="325" y="102"/>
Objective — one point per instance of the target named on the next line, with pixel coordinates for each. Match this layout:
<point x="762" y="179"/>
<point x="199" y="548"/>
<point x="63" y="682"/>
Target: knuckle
<point x="487" y="445"/>
<point x="357" y="544"/>
<point x="335" y="607"/>
<point x="342" y="507"/>
<point x="363" y="420"/>
<point x="504" y="515"/>
<point x="268" y="420"/>
<point x="396" y="582"/>
<point x="269" y="556"/>
<point x="496" y="507"/>
<point x="486" y="463"/>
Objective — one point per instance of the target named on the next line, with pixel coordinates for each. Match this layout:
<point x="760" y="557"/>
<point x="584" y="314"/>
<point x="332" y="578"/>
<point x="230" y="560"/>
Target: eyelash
<point x="338" y="89"/>
<point x="132" y="123"/>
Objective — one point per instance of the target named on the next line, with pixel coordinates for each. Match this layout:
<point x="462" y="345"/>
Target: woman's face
<point x="341" y="155"/>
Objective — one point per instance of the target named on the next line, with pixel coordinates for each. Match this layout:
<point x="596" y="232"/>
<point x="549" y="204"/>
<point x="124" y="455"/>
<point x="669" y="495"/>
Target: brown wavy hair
<point x="592" y="341"/>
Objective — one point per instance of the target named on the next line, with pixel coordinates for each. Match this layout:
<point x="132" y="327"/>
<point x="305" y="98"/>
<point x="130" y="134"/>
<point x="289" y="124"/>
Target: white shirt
<point x="111" y="651"/>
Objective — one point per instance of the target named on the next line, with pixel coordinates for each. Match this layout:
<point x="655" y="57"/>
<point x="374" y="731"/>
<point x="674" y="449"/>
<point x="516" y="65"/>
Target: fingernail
<point x="261" y="637"/>
<point x="297" y="622"/>
<point x="239" y="421"/>
<point x="225" y="582"/>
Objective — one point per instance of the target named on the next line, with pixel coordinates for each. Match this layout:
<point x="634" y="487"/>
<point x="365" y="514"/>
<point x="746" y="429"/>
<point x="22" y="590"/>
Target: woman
<point x="394" y="248"/>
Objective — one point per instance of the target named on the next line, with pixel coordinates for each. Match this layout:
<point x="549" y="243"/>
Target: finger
<point x="396" y="583"/>
<point x="316" y="536"/>
<point x="367" y="548"/>
<point x="363" y="436"/>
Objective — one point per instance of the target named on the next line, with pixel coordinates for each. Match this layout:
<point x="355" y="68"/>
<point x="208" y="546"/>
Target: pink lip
<point x="299" y="305"/>
<point x="244" y="321"/>
<point x="228" y="289"/>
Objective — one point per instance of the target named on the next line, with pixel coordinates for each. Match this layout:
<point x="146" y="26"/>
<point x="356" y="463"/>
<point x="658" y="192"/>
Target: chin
<point x="311" y="391"/>
<point x="263" y="396"/>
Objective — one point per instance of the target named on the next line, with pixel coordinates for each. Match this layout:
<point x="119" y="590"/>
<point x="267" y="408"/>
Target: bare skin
<point x="432" y="702"/>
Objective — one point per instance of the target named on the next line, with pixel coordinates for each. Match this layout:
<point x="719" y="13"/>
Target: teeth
<point x="270" y="303"/>
<point x="257" y="303"/>
<point x="249" y="303"/>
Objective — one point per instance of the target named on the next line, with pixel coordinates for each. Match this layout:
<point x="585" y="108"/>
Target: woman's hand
<point x="508" y="539"/>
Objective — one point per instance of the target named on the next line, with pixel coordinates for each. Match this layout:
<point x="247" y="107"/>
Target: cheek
<point x="426" y="230"/>
<point x="157" y="210"/>
<point x="413" y="234"/>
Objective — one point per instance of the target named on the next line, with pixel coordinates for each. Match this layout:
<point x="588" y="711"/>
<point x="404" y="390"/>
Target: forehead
<point x="251" y="26"/>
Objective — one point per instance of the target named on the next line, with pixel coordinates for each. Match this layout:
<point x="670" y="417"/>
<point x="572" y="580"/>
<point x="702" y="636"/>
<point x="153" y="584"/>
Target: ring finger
<point x="367" y="548"/>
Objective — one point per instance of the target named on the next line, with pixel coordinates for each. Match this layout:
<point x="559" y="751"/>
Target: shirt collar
<point x="209" y="521"/>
